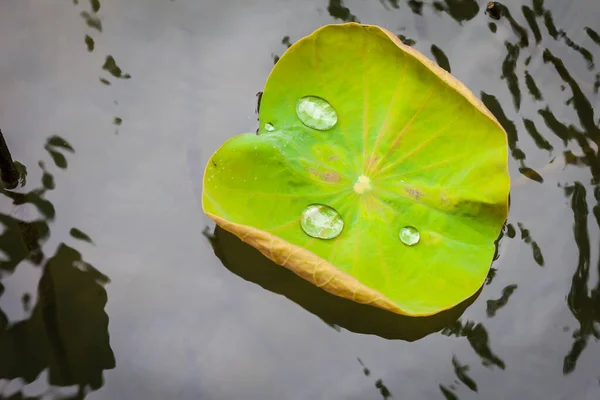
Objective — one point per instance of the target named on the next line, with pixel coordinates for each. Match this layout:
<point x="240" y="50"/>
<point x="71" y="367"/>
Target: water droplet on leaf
<point x="269" y="127"/>
<point x="321" y="221"/>
<point x="316" y="113"/>
<point x="409" y="235"/>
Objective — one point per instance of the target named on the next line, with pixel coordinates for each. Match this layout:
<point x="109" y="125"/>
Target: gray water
<point x="124" y="105"/>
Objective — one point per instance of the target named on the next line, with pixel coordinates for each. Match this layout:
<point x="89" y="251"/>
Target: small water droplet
<point x="321" y="221"/>
<point x="269" y="127"/>
<point x="316" y="113"/>
<point x="409" y="235"/>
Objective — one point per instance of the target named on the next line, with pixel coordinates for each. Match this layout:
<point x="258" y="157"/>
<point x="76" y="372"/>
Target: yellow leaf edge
<point x="309" y="266"/>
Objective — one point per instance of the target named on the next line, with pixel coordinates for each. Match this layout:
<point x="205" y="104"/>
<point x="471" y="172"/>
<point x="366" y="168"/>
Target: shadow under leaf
<point x="248" y="263"/>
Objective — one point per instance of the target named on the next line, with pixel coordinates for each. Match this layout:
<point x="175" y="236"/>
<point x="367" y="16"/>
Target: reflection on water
<point x="494" y="305"/>
<point x="337" y="10"/>
<point x="440" y="57"/>
<point x="248" y="263"/>
<point x="383" y="390"/>
<point x="287" y="43"/>
<point x="111" y="66"/>
<point x="65" y="335"/>
<point x="583" y="303"/>
<point x="92" y="21"/>
<point x="448" y="395"/>
<point x="478" y="338"/>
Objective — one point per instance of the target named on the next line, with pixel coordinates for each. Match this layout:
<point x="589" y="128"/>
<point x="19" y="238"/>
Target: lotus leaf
<point x="408" y="146"/>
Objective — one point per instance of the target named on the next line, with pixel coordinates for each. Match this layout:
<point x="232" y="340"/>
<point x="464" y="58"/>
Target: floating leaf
<point x="411" y="147"/>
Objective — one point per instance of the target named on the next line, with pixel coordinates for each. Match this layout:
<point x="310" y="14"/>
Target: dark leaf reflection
<point x="66" y="331"/>
<point x="248" y="263"/>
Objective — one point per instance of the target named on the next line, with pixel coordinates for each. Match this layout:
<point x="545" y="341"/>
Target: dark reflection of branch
<point x="592" y="34"/>
<point x="337" y="10"/>
<point x="581" y="104"/>
<point x="248" y="263"/>
<point x="111" y="66"/>
<point x="67" y="331"/>
<point x="532" y="22"/>
<point x="492" y="103"/>
<point x="585" y="307"/>
<point x="508" y="73"/>
<point x="531" y="174"/>
<point x="440" y="57"/>
<point x="287" y="43"/>
<point x="53" y="146"/>
<point x="538" y="7"/>
<point x="461" y="374"/>
<point x="510" y="231"/>
<point x="539" y="140"/>
<point x="416" y="6"/>
<point x="448" y="395"/>
<point x="478" y="339"/>
<point x="585" y="114"/>
<point x="391" y="3"/>
<point x="526" y="237"/>
<point x="366" y="370"/>
<point x="9" y="175"/>
<point x="491" y="275"/>
<point x="383" y="390"/>
<point x="92" y="21"/>
<point x="95" y="5"/>
<point x="459" y="10"/>
<point x="494" y="305"/>
<point x="22" y="241"/>
<point x="532" y="87"/>
<point x="558" y="34"/>
<point x="406" y="40"/>
<point x="78" y="234"/>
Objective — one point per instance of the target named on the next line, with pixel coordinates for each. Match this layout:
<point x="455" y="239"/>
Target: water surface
<point x="110" y="288"/>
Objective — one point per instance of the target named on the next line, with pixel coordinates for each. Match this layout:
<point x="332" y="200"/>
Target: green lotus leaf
<point x="353" y="120"/>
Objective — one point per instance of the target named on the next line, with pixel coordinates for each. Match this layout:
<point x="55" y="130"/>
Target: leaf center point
<point x="363" y="184"/>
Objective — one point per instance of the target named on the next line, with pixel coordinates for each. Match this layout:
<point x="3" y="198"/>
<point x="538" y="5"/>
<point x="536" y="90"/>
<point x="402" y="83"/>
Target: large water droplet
<point x="269" y="127"/>
<point x="316" y="113"/>
<point x="409" y="235"/>
<point x="321" y="221"/>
